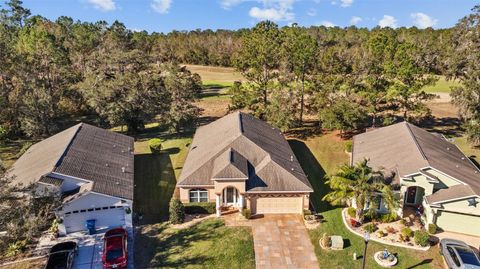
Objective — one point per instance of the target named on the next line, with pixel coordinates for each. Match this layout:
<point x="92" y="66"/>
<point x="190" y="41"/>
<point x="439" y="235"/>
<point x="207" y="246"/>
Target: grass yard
<point x="320" y="155"/>
<point x="215" y="74"/>
<point x="208" y="244"/>
<point x="442" y="85"/>
<point x="471" y="152"/>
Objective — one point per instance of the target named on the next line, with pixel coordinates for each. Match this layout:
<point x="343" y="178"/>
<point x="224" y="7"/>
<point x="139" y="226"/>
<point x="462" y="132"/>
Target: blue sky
<point x="168" y="15"/>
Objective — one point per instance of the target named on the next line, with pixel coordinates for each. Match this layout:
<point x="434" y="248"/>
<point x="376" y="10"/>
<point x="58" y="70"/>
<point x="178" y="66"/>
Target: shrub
<point x="382" y="233"/>
<point x="348" y="146"/>
<point x="403" y="222"/>
<point x="352" y="212"/>
<point x="15" y="248"/>
<point x="247" y="213"/>
<point x="432" y="228"/>
<point x="390" y="230"/>
<point x="421" y="238"/>
<point x="370" y="227"/>
<point x="200" y="208"/>
<point x="177" y="211"/>
<point x="407" y="232"/>
<point x="155" y="145"/>
<point x="326" y="242"/>
<point x="386" y="218"/>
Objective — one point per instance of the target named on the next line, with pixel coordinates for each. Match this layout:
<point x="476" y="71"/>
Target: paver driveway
<point x="282" y="241"/>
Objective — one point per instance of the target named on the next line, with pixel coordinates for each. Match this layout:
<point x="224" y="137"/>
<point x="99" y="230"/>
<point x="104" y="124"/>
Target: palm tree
<point x="360" y="183"/>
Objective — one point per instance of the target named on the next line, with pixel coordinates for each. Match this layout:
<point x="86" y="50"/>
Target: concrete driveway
<point x="282" y="241"/>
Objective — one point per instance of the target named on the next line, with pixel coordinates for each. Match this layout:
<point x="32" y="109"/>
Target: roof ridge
<point x="414" y="138"/>
<point x="57" y="163"/>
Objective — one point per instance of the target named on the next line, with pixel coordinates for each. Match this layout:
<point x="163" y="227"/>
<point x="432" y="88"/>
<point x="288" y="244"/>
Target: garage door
<point x="111" y="217"/>
<point x="459" y="223"/>
<point x="277" y="205"/>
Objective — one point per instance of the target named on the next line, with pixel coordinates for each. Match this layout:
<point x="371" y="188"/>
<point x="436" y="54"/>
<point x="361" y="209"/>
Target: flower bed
<point x="397" y="233"/>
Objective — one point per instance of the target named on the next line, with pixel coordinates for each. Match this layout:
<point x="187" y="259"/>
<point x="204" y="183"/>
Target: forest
<point x="56" y="72"/>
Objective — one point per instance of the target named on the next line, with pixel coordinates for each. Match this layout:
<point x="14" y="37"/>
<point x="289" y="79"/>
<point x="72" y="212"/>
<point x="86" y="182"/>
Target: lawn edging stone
<point x="344" y="219"/>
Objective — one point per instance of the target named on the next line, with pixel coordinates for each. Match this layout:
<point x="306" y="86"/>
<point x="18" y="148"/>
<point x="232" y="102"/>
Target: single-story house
<point x="428" y="170"/>
<point x="90" y="168"/>
<point x="240" y="161"/>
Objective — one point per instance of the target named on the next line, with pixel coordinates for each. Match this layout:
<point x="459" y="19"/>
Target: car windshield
<point x="467" y="256"/>
<point x="114" y="254"/>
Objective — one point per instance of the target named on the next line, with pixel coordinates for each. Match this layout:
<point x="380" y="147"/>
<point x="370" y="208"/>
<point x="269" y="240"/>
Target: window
<point x="198" y="195"/>
<point x="454" y="256"/>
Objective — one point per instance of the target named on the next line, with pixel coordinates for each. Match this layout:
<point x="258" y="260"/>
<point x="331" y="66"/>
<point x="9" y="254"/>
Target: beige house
<point x="426" y="170"/>
<point x="240" y="161"/>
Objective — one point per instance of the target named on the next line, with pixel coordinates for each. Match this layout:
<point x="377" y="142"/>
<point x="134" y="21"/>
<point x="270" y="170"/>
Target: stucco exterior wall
<point x="462" y="206"/>
<point x="92" y="200"/>
<point x="417" y="180"/>
<point x="239" y="185"/>
<point x="185" y="198"/>
<point x="446" y="181"/>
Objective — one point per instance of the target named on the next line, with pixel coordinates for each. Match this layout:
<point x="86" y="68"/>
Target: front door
<point x="411" y="194"/>
<point x="230" y="195"/>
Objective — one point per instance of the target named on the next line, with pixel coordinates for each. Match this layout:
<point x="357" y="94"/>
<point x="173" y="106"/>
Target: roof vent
<point x="293" y="169"/>
<point x="106" y="164"/>
<point x="463" y="158"/>
<point x="448" y="148"/>
<point x="123" y="169"/>
<point x="291" y="158"/>
<point x="117" y="183"/>
<point x="456" y="166"/>
<point x="114" y="145"/>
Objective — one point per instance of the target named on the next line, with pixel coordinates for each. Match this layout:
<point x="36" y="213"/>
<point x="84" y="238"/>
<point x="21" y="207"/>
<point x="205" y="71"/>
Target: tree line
<point x="52" y="72"/>
<point x="349" y="78"/>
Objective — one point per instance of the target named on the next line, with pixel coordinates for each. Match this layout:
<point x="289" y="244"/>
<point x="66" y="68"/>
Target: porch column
<point x="218" y="204"/>
<point x="240" y="196"/>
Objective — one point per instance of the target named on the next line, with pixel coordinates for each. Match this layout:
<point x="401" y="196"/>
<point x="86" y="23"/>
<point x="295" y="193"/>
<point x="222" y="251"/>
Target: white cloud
<point x="161" y="6"/>
<point x="355" y="20"/>
<point x="311" y="12"/>
<point x="274" y="10"/>
<point x="227" y="4"/>
<point x="388" y="21"/>
<point x="105" y="5"/>
<point x="346" y="3"/>
<point x="327" y="24"/>
<point x="422" y="20"/>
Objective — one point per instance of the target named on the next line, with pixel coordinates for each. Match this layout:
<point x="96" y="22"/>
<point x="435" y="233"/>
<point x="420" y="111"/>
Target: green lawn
<point x="442" y="85"/>
<point x="318" y="156"/>
<point x="208" y="244"/>
<point x="471" y="152"/>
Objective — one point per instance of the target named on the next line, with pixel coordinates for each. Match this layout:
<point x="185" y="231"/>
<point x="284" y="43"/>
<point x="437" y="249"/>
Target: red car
<point x="115" y="254"/>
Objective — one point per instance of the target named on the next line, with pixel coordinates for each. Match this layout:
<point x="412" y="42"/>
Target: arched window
<point x="198" y="195"/>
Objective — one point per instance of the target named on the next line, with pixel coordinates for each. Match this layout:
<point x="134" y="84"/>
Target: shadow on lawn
<point x="154" y="186"/>
<point x="161" y="251"/>
<point x="315" y="173"/>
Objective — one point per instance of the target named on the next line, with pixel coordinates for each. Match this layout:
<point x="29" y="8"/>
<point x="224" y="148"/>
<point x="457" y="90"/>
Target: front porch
<point x="229" y="200"/>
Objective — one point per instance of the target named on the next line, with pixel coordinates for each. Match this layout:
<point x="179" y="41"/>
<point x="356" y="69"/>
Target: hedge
<point x="200" y="208"/>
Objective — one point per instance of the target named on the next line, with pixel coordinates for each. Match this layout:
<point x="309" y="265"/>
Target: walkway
<point x="282" y="241"/>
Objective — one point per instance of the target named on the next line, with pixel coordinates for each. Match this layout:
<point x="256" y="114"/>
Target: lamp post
<point x="366" y="237"/>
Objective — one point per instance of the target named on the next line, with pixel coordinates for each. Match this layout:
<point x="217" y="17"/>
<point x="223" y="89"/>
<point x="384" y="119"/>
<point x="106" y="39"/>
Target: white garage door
<point x="277" y="205"/>
<point x="105" y="218"/>
<point x="459" y="223"/>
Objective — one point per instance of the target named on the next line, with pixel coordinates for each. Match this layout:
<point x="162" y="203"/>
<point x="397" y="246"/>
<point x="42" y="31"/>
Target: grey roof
<point x="86" y="152"/>
<point x="101" y="156"/>
<point x="41" y="158"/>
<point x="272" y="165"/>
<point x="406" y="149"/>
<point x="51" y="180"/>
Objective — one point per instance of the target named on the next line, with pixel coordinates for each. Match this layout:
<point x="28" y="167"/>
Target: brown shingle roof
<point x="230" y="165"/>
<point x="274" y="166"/>
<point x="85" y="152"/>
<point x="406" y="149"/>
<point x="454" y="192"/>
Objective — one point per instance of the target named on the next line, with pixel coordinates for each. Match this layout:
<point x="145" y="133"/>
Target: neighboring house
<point x="242" y="162"/>
<point x="91" y="168"/>
<point x="425" y="169"/>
